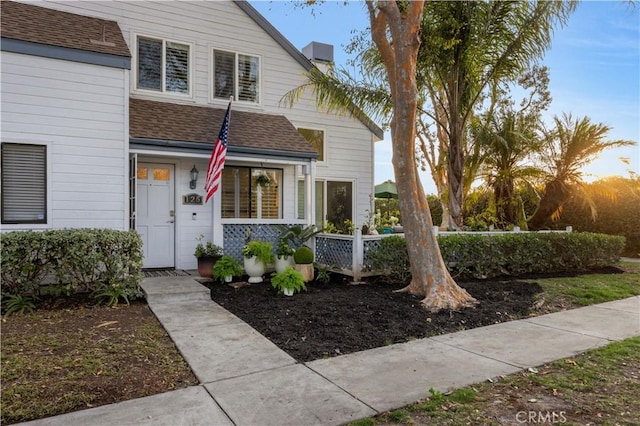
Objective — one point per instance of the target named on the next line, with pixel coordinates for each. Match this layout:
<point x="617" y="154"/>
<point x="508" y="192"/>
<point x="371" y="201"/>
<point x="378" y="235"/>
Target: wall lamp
<point x="194" y="177"/>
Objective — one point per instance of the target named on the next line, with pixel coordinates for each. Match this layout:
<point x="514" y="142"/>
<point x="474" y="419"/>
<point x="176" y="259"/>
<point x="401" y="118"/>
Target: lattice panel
<point x="235" y="236"/>
<point x="334" y="252"/>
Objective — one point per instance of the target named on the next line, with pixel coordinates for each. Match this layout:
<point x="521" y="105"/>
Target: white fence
<point x="348" y="254"/>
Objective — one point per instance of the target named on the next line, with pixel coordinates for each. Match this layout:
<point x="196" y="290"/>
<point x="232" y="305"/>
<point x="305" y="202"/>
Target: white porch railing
<point x="348" y="254"/>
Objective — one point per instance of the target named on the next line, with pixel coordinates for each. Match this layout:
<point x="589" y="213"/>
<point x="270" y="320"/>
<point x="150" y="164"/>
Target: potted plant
<point x="207" y="255"/>
<point x="304" y="262"/>
<point x="288" y="281"/>
<point x="257" y="255"/>
<point x="263" y="180"/>
<point x="284" y="255"/>
<point x="226" y="268"/>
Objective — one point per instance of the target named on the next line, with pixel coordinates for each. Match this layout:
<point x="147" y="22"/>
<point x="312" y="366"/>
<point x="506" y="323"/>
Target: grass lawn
<point x="71" y="356"/>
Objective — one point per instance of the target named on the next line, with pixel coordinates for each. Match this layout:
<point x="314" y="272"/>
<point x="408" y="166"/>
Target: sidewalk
<point x="247" y="380"/>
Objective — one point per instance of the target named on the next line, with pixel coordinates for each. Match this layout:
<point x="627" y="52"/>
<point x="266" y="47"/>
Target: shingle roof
<point x="52" y="27"/>
<point x="189" y="123"/>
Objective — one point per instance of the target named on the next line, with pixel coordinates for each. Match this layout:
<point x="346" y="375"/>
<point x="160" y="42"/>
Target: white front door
<point x="156" y="213"/>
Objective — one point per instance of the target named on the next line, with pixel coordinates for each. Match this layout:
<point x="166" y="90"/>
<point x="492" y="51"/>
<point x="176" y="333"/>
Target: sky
<point x="594" y="64"/>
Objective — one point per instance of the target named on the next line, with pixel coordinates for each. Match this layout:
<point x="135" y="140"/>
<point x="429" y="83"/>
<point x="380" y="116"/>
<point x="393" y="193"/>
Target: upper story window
<point x="24" y="184"/>
<point x="236" y="75"/>
<point x="163" y="66"/>
<point x="315" y="137"/>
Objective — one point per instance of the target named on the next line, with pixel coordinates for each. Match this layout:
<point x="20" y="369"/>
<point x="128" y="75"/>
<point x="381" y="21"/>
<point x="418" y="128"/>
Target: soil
<point x="103" y="355"/>
<point x="70" y="355"/>
<point x="339" y="318"/>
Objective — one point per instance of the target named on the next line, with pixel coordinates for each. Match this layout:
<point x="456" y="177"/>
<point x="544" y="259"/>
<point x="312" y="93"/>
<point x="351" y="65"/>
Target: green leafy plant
<point x="297" y="235"/>
<point x="264" y="180"/>
<point x="324" y="274"/>
<point x="303" y="256"/>
<point x="487" y="256"/>
<point x="207" y="249"/>
<point x="18" y="304"/>
<point x="289" y="279"/>
<point x="284" y="249"/>
<point x="111" y="294"/>
<point x="391" y="256"/>
<point x="262" y="250"/>
<point x="79" y="259"/>
<point x="226" y="266"/>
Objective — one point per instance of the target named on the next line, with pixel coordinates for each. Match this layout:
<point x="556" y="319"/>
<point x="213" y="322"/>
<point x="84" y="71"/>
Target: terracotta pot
<point x="205" y="265"/>
<point x="306" y="270"/>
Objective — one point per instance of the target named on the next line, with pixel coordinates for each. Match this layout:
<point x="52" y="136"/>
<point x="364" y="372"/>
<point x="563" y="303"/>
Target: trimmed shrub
<point x="390" y="256"/>
<point x="105" y="262"/>
<point x="303" y="255"/>
<point x="481" y="256"/>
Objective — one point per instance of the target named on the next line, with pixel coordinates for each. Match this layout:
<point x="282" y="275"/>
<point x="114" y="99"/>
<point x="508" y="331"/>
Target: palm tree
<point x="465" y="46"/>
<point x="568" y="147"/>
<point x="506" y="143"/>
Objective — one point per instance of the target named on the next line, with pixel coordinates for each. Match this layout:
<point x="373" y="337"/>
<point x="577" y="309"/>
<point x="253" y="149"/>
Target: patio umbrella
<point x="386" y="190"/>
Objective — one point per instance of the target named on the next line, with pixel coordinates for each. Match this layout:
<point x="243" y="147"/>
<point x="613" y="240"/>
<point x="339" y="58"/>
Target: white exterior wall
<point x="95" y="193"/>
<point x="206" y="25"/>
<point x="78" y="111"/>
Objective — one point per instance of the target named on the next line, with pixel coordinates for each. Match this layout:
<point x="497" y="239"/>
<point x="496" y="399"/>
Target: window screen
<point x="149" y="64"/>
<point x="177" y="68"/>
<point x="24" y="183"/>
<point x="236" y="75"/>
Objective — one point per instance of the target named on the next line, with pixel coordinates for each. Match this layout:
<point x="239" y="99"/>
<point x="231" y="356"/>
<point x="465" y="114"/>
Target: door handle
<point x="170" y="221"/>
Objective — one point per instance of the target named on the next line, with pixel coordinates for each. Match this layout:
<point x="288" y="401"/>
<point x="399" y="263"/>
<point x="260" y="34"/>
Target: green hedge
<point x="106" y="262"/>
<point x="481" y="256"/>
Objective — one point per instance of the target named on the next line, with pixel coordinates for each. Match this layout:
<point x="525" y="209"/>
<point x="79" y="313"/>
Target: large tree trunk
<point x="555" y="193"/>
<point x="430" y="277"/>
<point x="506" y="203"/>
<point x="455" y="163"/>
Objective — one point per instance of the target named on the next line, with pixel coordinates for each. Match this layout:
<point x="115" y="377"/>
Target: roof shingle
<point x="189" y="123"/>
<point x="52" y="27"/>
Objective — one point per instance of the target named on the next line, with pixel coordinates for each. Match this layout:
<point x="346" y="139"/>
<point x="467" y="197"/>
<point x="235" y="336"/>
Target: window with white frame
<point x="163" y="66"/>
<point x="315" y="138"/>
<point x="24" y="183"/>
<point x="249" y="193"/>
<point x="236" y="75"/>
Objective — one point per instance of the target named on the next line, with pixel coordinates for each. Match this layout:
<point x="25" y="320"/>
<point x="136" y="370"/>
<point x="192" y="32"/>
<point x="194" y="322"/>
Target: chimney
<point x="320" y="54"/>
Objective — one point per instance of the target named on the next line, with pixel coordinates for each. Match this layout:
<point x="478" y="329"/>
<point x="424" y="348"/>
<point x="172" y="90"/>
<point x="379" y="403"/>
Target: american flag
<point x="216" y="162"/>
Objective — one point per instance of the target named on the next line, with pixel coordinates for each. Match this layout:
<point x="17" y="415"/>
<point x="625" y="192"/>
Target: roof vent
<point x="318" y="52"/>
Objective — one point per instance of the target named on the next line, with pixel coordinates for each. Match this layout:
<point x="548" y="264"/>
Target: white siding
<point x="221" y="24"/>
<point x="79" y="111"/>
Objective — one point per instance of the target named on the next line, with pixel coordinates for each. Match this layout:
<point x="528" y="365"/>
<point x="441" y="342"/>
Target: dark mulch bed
<point x="338" y="318"/>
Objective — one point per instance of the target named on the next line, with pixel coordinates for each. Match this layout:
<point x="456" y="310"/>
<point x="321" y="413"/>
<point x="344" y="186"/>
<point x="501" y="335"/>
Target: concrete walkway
<point x="247" y="380"/>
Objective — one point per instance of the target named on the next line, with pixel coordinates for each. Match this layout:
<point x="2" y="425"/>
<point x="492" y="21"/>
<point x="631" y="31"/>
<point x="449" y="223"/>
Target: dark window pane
<point x="177" y="72"/>
<point x="149" y="64"/>
<point x="339" y="204"/>
<point x="224" y="78"/>
<point x="248" y="68"/>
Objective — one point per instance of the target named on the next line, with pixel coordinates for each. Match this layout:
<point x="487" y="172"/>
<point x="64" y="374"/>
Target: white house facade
<point x="108" y="108"/>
